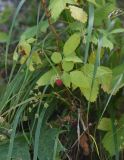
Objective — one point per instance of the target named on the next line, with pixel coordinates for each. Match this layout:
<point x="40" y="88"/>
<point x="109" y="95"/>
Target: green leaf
<point x="73" y="58"/>
<point x="102" y="12"/>
<point x="79" y="79"/>
<point x="20" y="149"/>
<point x="90" y="92"/>
<point x="46" y="78"/>
<point x="56" y="57"/>
<point x="78" y="14"/>
<point x="66" y="79"/>
<point x="105" y="124"/>
<point x="107" y="43"/>
<point x="32" y="31"/>
<point x="29" y="32"/>
<point x="117" y="73"/>
<point x="71" y="44"/>
<point x="49" y="145"/>
<point x="109" y="144"/>
<point x="57" y="6"/>
<point x="103" y="75"/>
<point x="118" y="30"/>
<point x="108" y="140"/>
<point x="77" y="26"/>
<point x="67" y="66"/>
<point x="3" y="37"/>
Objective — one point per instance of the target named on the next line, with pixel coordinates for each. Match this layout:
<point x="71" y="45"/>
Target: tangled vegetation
<point x="61" y="80"/>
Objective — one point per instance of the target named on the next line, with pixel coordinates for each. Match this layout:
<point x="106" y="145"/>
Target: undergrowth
<point x="61" y="80"/>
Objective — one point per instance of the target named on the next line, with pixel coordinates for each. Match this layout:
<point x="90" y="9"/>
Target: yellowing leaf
<point x="34" y="61"/>
<point x="24" y="50"/>
<point x="78" y="14"/>
<point x="15" y="56"/>
<point x="92" y="57"/>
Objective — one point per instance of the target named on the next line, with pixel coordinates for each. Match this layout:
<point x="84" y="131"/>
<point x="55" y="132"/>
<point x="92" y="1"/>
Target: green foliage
<point x="63" y="71"/>
<point x="71" y="44"/>
<point x="49" y="137"/>
<point x="3" y="37"/>
<point x="20" y="150"/>
<point x="56" y="57"/>
<point x="109" y="138"/>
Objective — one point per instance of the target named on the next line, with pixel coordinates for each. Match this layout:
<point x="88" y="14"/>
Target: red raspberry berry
<point x="59" y="82"/>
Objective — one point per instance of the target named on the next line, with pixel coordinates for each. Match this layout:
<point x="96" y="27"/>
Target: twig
<point x="48" y="15"/>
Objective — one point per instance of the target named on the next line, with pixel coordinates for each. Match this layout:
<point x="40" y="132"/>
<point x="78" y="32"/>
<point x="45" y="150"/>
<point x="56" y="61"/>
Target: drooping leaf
<point x="78" y="14"/>
<point x="71" y="44"/>
<point x="56" y="57"/>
